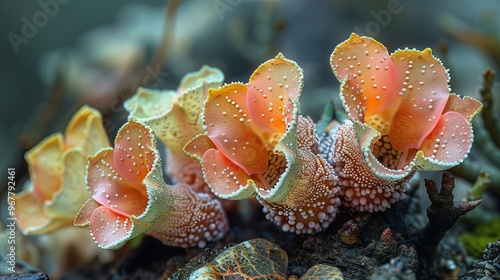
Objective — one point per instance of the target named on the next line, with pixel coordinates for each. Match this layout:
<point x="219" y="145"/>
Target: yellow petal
<point x="67" y="201"/>
<point x="46" y="167"/>
<point x="207" y="77"/>
<point x="30" y="216"/>
<point x="150" y="103"/>
<point x="85" y="130"/>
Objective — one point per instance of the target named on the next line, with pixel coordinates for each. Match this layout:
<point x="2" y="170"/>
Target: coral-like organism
<point x="174" y="116"/>
<point x="386" y="246"/>
<point x="402" y="118"/>
<point x="57" y="170"/>
<point x="130" y="197"/>
<point x="256" y="144"/>
<point x="442" y="214"/>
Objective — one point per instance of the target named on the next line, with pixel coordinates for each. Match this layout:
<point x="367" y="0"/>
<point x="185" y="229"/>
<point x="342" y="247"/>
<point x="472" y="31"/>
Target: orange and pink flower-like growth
<point x="175" y="119"/>
<point x="403" y="115"/>
<point x="252" y="147"/>
<point x="57" y="170"/>
<point x="243" y="123"/>
<point x="130" y="197"/>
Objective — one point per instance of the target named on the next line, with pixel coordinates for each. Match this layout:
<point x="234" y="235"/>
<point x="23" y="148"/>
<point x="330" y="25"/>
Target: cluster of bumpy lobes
<point x="361" y="189"/>
<point x="311" y="204"/>
<point x="309" y="218"/>
<point x="205" y="221"/>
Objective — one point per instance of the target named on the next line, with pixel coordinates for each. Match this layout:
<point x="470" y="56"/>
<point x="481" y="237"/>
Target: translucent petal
<point x="424" y="96"/>
<point x="108" y="227"/>
<point x="85" y="213"/>
<point x="365" y="63"/>
<point x="133" y="156"/>
<point x="467" y="106"/>
<point x="230" y="128"/>
<point x="225" y="178"/>
<point x="451" y="139"/>
<point x="110" y="189"/>
<point x="198" y="146"/>
<point x="271" y="84"/>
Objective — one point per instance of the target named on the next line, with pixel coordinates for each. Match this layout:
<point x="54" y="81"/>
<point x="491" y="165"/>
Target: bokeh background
<point x="96" y="44"/>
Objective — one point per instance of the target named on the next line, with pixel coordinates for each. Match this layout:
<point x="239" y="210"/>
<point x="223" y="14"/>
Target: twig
<point x="442" y="214"/>
<point x="33" y="133"/>
<point x="483" y="182"/>
<point x="470" y="170"/>
<point x="160" y="56"/>
<point x="491" y="120"/>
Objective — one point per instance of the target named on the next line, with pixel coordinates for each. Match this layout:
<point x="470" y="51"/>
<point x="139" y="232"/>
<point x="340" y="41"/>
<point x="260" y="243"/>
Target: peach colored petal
<point x="231" y="129"/>
<point x="351" y="95"/>
<point x="424" y="94"/>
<point x="371" y="74"/>
<point x="82" y="219"/>
<point x="467" y="106"/>
<point x="45" y="166"/>
<point x="198" y="146"/>
<point x="108" y="227"/>
<point x="450" y="141"/>
<point x="271" y="84"/>
<point x="31" y="218"/>
<point x="193" y="220"/>
<point x="133" y="156"/>
<point x="85" y="130"/>
<point x="226" y="179"/>
<point x="110" y="189"/>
